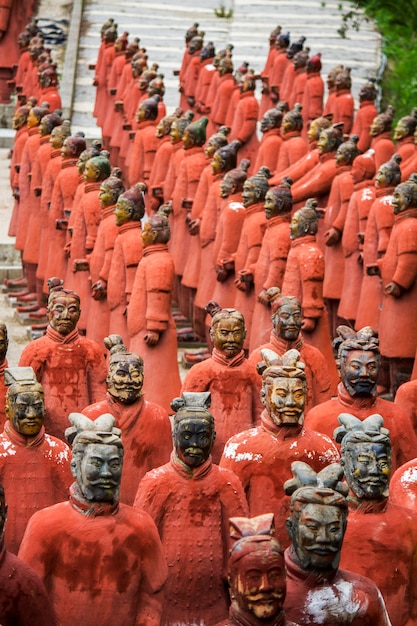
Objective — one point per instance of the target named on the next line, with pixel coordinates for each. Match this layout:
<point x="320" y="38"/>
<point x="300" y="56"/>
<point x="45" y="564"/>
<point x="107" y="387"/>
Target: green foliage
<point x="222" y="12"/>
<point x="397" y="22"/>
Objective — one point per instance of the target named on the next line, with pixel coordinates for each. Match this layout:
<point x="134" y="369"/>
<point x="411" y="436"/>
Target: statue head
<point x="157" y="228"/>
<point x="164" y="125"/>
<point x="35" y="115"/>
<point x="125" y="377"/>
<point x="207" y="51"/>
<point x="195" y="134"/>
<point x="25" y="408"/>
<point x="148" y="109"/>
<point x="59" y="134"/>
<point x="282" y="41"/>
<point x="406" y="126"/>
<point x="257" y="575"/>
<point x="331" y="77"/>
<point x="295" y="47"/>
<point x="284" y="387"/>
<point x="48" y="123"/>
<point x="366" y="455"/>
<point x="96" y="169"/>
<point x="121" y="42"/>
<point x="132" y="48"/>
<point x="146" y="75"/>
<point x="178" y="127"/>
<point x="97" y="456"/>
<point x="293" y="120"/>
<point x="193" y="430"/>
<point x="368" y="92"/>
<point x="225" y="158"/>
<point x="234" y="180"/>
<point x="73" y="147"/>
<point x="318" y="516"/>
<point x="405" y="195"/>
<point x="225" y="65"/>
<point x="191" y="32"/>
<point x="314" y="64"/>
<point x="247" y="81"/>
<point x="63" y="307"/>
<point x="271" y="119"/>
<point x="274" y="34"/>
<point x="255" y="187"/>
<point x="130" y="204"/>
<point x="363" y="167"/>
<point x="330" y="138"/>
<point x="305" y="221"/>
<point x="286" y="315"/>
<point x="343" y="79"/>
<point x="227" y="330"/>
<point x="300" y="59"/>
<point x="48" y="77"/>
<point x="389" y="174"/>
<point x="382" y="123"/>
<point x="358" y="360"/>
<point x="347" y="151"/>
<point x="196" y="43"/>
<point x="317" y="125"/>
<point x="20" y="117"/>
<point x="216" y="141"/>
<point x="278" y="200"/>
<point x="111" y="188"/>
<point x="4" y="341"/>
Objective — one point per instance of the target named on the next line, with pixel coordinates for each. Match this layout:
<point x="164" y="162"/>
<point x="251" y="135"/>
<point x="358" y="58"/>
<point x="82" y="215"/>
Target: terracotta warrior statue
<point x="257" y="576"/>
<point x="145" y="426"/>
<point x="195" y="544"/>
<point x="260" y="456"/>
<point x="379" y="533"/>
<point x="317" y="589"/>
<point x="34" y="466"/>
<point x="23" y="598"/>
<point x="285" y="335"/>
<point x="381" y="141"/>
<point x="4" y="344"/>
<point x="70" y="367"/>
<point x="231" y="380"/>
<point x="359" y="361"/>
<point x="365" y="115"/>
<point x="96" y="556"/>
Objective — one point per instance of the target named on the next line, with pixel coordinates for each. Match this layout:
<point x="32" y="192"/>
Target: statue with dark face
<point x="317" y="525"/>
<point x="195" y="544"/>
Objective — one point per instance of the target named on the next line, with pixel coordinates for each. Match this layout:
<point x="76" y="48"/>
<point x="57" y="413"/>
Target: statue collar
<point x="241" y="618"/>
<point x="129" y="225"/>
<point x="190" y="473"/>
<point x="360" y="402"/>
<point x="366" y="506"/>
<point x="127" y="415"/>
<point x="384" y="191"/>
<point x="68" y="163"/>
<point x="107" y="211"/>
<point x="92" y="187"/>
<point x="281" y="345"/>
<point x="219" y="357"/>
<point x="279" y="432"/>
<point x="155" y="247"/>
<point x="90" y="508"/>
<point x="291" y="135"/>
<point x="302" y="240"/>
<point x="258" y="207"/>
<point x="58" y="338"/>
<point x="284" y="218"/>
<point x="410" y="213"/>
<point x="21" y="440"/>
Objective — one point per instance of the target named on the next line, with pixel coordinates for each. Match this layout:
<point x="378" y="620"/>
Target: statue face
<point x="63" y="314"/>
<point x="141" y="114"/>
<point x="148" y="235"/>
<point x="377" y="127"/>
<point x="399" y="201"/>
<point x="359" y="371"/>
<point x="125" y="380"/>
<point x="342" y="155"/>
<point x="313" y="132"/>
<point x="267" y="122"/>
<point x="227" y="187"/>
<point x="4" y="343"/>
<point x="122" y="211"/>
<point x="99" y="472"/>
<point x="284" y="400"/>
<point x="298" y="226"/>
<point x="381" y="178"/>
<point x="258" y="583"/>
<point x="323" y="143"/>
<point x="26" y="412"/>
<point x="249" y="194"/>
<point x="91" y="172"/>
<point x="56" y="138"/>
<point x="43" y="128"/>
<point x="273" y="205"/>
<point x="286" y="125"/>
<point x="317" y="536"/>
<point x="367" y="468"/>
<point x="287" y="321"/>
<point x="175" y="134"/>
<point x="401" y="130"/>
<point x="211" y="147"/>
<point x="187" y="140"/>
<point x="217" y="164"/>
<point x="32" y="120"/>
<point x="193" y="440"/>
<point x="82" y="160"/>
<point x="163" y="127"/>
<point x="228" y="335"/>
<point x="105" y="195"/>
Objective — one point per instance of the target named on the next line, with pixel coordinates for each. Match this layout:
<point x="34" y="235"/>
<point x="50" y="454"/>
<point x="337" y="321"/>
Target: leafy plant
<point x="222" y="12"/>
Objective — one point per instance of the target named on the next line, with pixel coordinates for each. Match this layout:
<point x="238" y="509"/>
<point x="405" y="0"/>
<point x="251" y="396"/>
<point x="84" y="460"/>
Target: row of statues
<point x="257" y="489"/>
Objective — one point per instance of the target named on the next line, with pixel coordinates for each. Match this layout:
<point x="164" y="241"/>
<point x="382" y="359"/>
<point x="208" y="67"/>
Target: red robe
<point x="160" y="168"/>
<point x="19" y="143"/>
<point x="35" y="473"/>
<point x="323" y="418"/>
<point x="150" y="309"/>
<point x="225" y="87"/>
<point x="268" y="151"/>
<point x="147" y="439"/>
<point x="48" y="181"/>
<point x="280" y="64"/>
<point x="261" y="457"/>
<point x="317" y="182"/>
<point x="313" y="98"/>
<point x="207" y="71"/>
<point x="319" y="387"/>
<point x="344" y="110"/>
<point x="28" y="156"/>
<point x="378" y="535"/>
<point x="406" y="397"/>
<point x="191" y="509"/>
<point x="269" y="272"/>
<point x="293" y="148"/>
<point x="234" y="394"/>
<point x="340" y="597"/>
<point x="97" y="559"/>
<point x="299" y="168"/>
<point x="244" y="128"/>
<point x="297" y="92"/>
<point x="143" y="152"/>
<point x="399" y="265"/>
<point x="403" y="484"/>
<point x="127" y="253"/>
<point x="362" y="123"/>
<point x="72" y="371"/>
<point x="384" y="148"/>
<point x="23" y="600"/>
